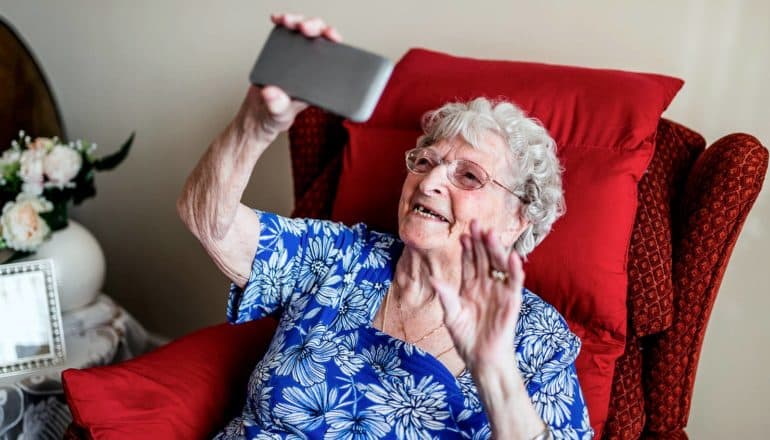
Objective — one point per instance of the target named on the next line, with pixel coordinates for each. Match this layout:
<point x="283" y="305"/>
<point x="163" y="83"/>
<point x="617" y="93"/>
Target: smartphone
<point x="336" y="77"/>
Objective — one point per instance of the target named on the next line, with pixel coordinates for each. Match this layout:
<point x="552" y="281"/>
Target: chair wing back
<point x="718" y="194"/>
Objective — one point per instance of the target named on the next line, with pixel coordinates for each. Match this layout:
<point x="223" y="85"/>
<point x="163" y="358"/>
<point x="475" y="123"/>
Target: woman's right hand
<point x="268" y="111"/>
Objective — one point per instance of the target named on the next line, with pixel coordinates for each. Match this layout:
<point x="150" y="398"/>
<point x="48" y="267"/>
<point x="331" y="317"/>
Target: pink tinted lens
<point x="421" y="161"/>
<point x="467" y="175"/>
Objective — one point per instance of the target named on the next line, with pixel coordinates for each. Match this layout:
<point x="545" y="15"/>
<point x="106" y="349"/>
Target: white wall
<point x="175" y="71"/>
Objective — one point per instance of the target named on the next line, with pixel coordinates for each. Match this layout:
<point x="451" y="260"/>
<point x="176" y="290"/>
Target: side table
<point x="32" y="405"/>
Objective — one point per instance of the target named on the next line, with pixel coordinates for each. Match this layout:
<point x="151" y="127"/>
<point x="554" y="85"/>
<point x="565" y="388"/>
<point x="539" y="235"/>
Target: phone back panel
<point x="334" y="76"/>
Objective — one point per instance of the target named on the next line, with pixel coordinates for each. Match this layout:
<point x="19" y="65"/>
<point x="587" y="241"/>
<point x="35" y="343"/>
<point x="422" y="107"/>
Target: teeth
<point x="427" y="213"/>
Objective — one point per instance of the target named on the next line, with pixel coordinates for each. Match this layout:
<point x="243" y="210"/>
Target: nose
<point x="435" y="181"/>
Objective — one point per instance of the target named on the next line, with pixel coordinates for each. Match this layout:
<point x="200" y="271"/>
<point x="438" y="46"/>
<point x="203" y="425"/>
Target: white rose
<point x="31" y="171"/>
<point x="22" y="227"/>
<point x="32" y="188"/>
<point x="61" y="165"/>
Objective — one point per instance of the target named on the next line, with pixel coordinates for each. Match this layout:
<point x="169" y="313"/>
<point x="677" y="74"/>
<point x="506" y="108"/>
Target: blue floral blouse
<point x="328" y="374"/>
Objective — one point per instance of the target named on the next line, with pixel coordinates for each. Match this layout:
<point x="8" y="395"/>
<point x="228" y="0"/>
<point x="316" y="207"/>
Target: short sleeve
<point x="298" y="257"/>
<point x="546" y="353"/>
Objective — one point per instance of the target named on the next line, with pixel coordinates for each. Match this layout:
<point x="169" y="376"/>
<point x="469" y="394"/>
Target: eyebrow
<point x="474" y="151"/>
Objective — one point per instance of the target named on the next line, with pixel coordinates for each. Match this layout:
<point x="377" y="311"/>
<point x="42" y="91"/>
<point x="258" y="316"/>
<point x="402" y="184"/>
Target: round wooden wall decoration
<point x="26" y="99"/>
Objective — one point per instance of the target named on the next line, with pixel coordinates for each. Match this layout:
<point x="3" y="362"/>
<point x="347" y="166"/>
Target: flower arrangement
<point x="38" y="179"/>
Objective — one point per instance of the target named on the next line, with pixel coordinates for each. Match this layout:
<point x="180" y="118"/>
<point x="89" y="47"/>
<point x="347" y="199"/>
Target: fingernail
<point x="335" y="35"/>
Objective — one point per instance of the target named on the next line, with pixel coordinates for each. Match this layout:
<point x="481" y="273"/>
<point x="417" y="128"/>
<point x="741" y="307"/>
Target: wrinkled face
<point x="433" y="213"/>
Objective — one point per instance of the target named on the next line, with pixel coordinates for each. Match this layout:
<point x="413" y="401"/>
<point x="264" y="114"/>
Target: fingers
<point x="332" y="34"/>
<point x="280" y="106"/>
<point x="515" y="271"/>
<point x="289" y="21"/>
<point x="297" y="106"/>
<point x="310" y="27"/>
<point x="276" y="100"/>
<point x="498" y="258"/>
<point x="468" y="260"/>
<point x="516" y="283"/>
<point x="479" y="250"/>
<point x="509" y="313"/>
<point x="489" y="254"/>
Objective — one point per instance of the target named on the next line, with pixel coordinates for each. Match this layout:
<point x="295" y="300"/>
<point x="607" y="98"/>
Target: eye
<point x="423" y="162"/>
<point x="469" y="176"/>
<point x="468" y="179"/>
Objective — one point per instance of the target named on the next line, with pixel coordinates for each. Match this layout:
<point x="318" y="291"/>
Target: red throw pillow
<point x="604" y="123"/>
<point x="186" y="389"/>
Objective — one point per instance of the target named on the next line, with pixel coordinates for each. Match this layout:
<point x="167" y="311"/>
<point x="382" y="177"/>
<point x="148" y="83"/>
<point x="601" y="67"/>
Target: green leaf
<point x="57" y="218"/>
<point x="11" y="171"/>
<point x="84" y="185"/>
<point x="84" y="190"/>
<point x="114" y="159"/>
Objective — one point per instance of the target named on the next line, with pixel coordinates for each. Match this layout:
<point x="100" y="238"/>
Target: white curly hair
<point x="534" y="166"/>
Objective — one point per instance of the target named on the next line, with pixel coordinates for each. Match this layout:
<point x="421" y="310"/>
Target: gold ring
<point x="498" y="275"/>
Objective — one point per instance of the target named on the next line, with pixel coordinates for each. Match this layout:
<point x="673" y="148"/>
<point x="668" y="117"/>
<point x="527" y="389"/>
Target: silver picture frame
<point x="31" y="335"/>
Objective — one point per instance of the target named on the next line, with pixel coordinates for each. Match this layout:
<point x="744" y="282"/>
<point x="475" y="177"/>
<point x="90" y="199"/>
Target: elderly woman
<point x="426" y="335"/>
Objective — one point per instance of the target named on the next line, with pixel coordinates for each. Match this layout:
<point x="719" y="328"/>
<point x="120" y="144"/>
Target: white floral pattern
<point x="305" y="408"/>
<point x="305" y="360"/>
<point x="329" y="374"/>
<point x="363" y="425"/>
<point x="414" y="408"/>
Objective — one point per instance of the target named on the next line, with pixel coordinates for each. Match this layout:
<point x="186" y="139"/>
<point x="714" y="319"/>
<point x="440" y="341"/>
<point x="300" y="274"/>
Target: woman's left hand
<point x="481" y="314"/>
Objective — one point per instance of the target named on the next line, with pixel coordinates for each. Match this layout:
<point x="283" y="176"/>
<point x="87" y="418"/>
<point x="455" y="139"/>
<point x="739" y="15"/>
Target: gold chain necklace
<point x="403" y="328"/>
<point x="445" y="351"/>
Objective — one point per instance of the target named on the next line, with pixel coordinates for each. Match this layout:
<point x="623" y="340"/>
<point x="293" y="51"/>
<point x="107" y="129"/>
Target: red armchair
<point x="693" y="202"/>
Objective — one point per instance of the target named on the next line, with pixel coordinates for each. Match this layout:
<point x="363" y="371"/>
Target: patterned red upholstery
<point x="626" y="416"/>
<point x="651" y="290"/>
<point x="316" y="140"/>
<point x="692" y="207"/>
<point x="650" y="286"/>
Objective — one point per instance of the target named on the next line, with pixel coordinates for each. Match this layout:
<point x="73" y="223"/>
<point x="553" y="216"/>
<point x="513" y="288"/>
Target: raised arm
<point x="210" y="203"/>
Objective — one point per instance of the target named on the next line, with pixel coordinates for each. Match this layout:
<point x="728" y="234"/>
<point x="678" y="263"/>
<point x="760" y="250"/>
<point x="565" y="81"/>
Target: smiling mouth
<point x="427" y="213"/>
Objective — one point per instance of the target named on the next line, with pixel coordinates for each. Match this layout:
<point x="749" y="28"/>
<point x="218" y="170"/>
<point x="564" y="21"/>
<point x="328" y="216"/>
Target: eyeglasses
<point x="462" y="173"/>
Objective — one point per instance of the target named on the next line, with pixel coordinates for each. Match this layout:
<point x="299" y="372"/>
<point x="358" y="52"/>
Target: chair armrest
<point x="186" y="389"/>
<point x="720" y="191"/>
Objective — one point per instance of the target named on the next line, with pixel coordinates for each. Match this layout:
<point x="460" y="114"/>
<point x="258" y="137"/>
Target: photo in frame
<point x="31" y="334"/>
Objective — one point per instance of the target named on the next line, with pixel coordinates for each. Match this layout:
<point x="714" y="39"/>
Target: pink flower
<point x="41" y="143"/>
<point x="22" y="227"/>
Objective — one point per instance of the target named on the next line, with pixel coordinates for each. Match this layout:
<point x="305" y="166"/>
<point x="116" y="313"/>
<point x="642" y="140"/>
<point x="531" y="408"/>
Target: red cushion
<point x="604" y="123"/>
<point x="187" y="389"/>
